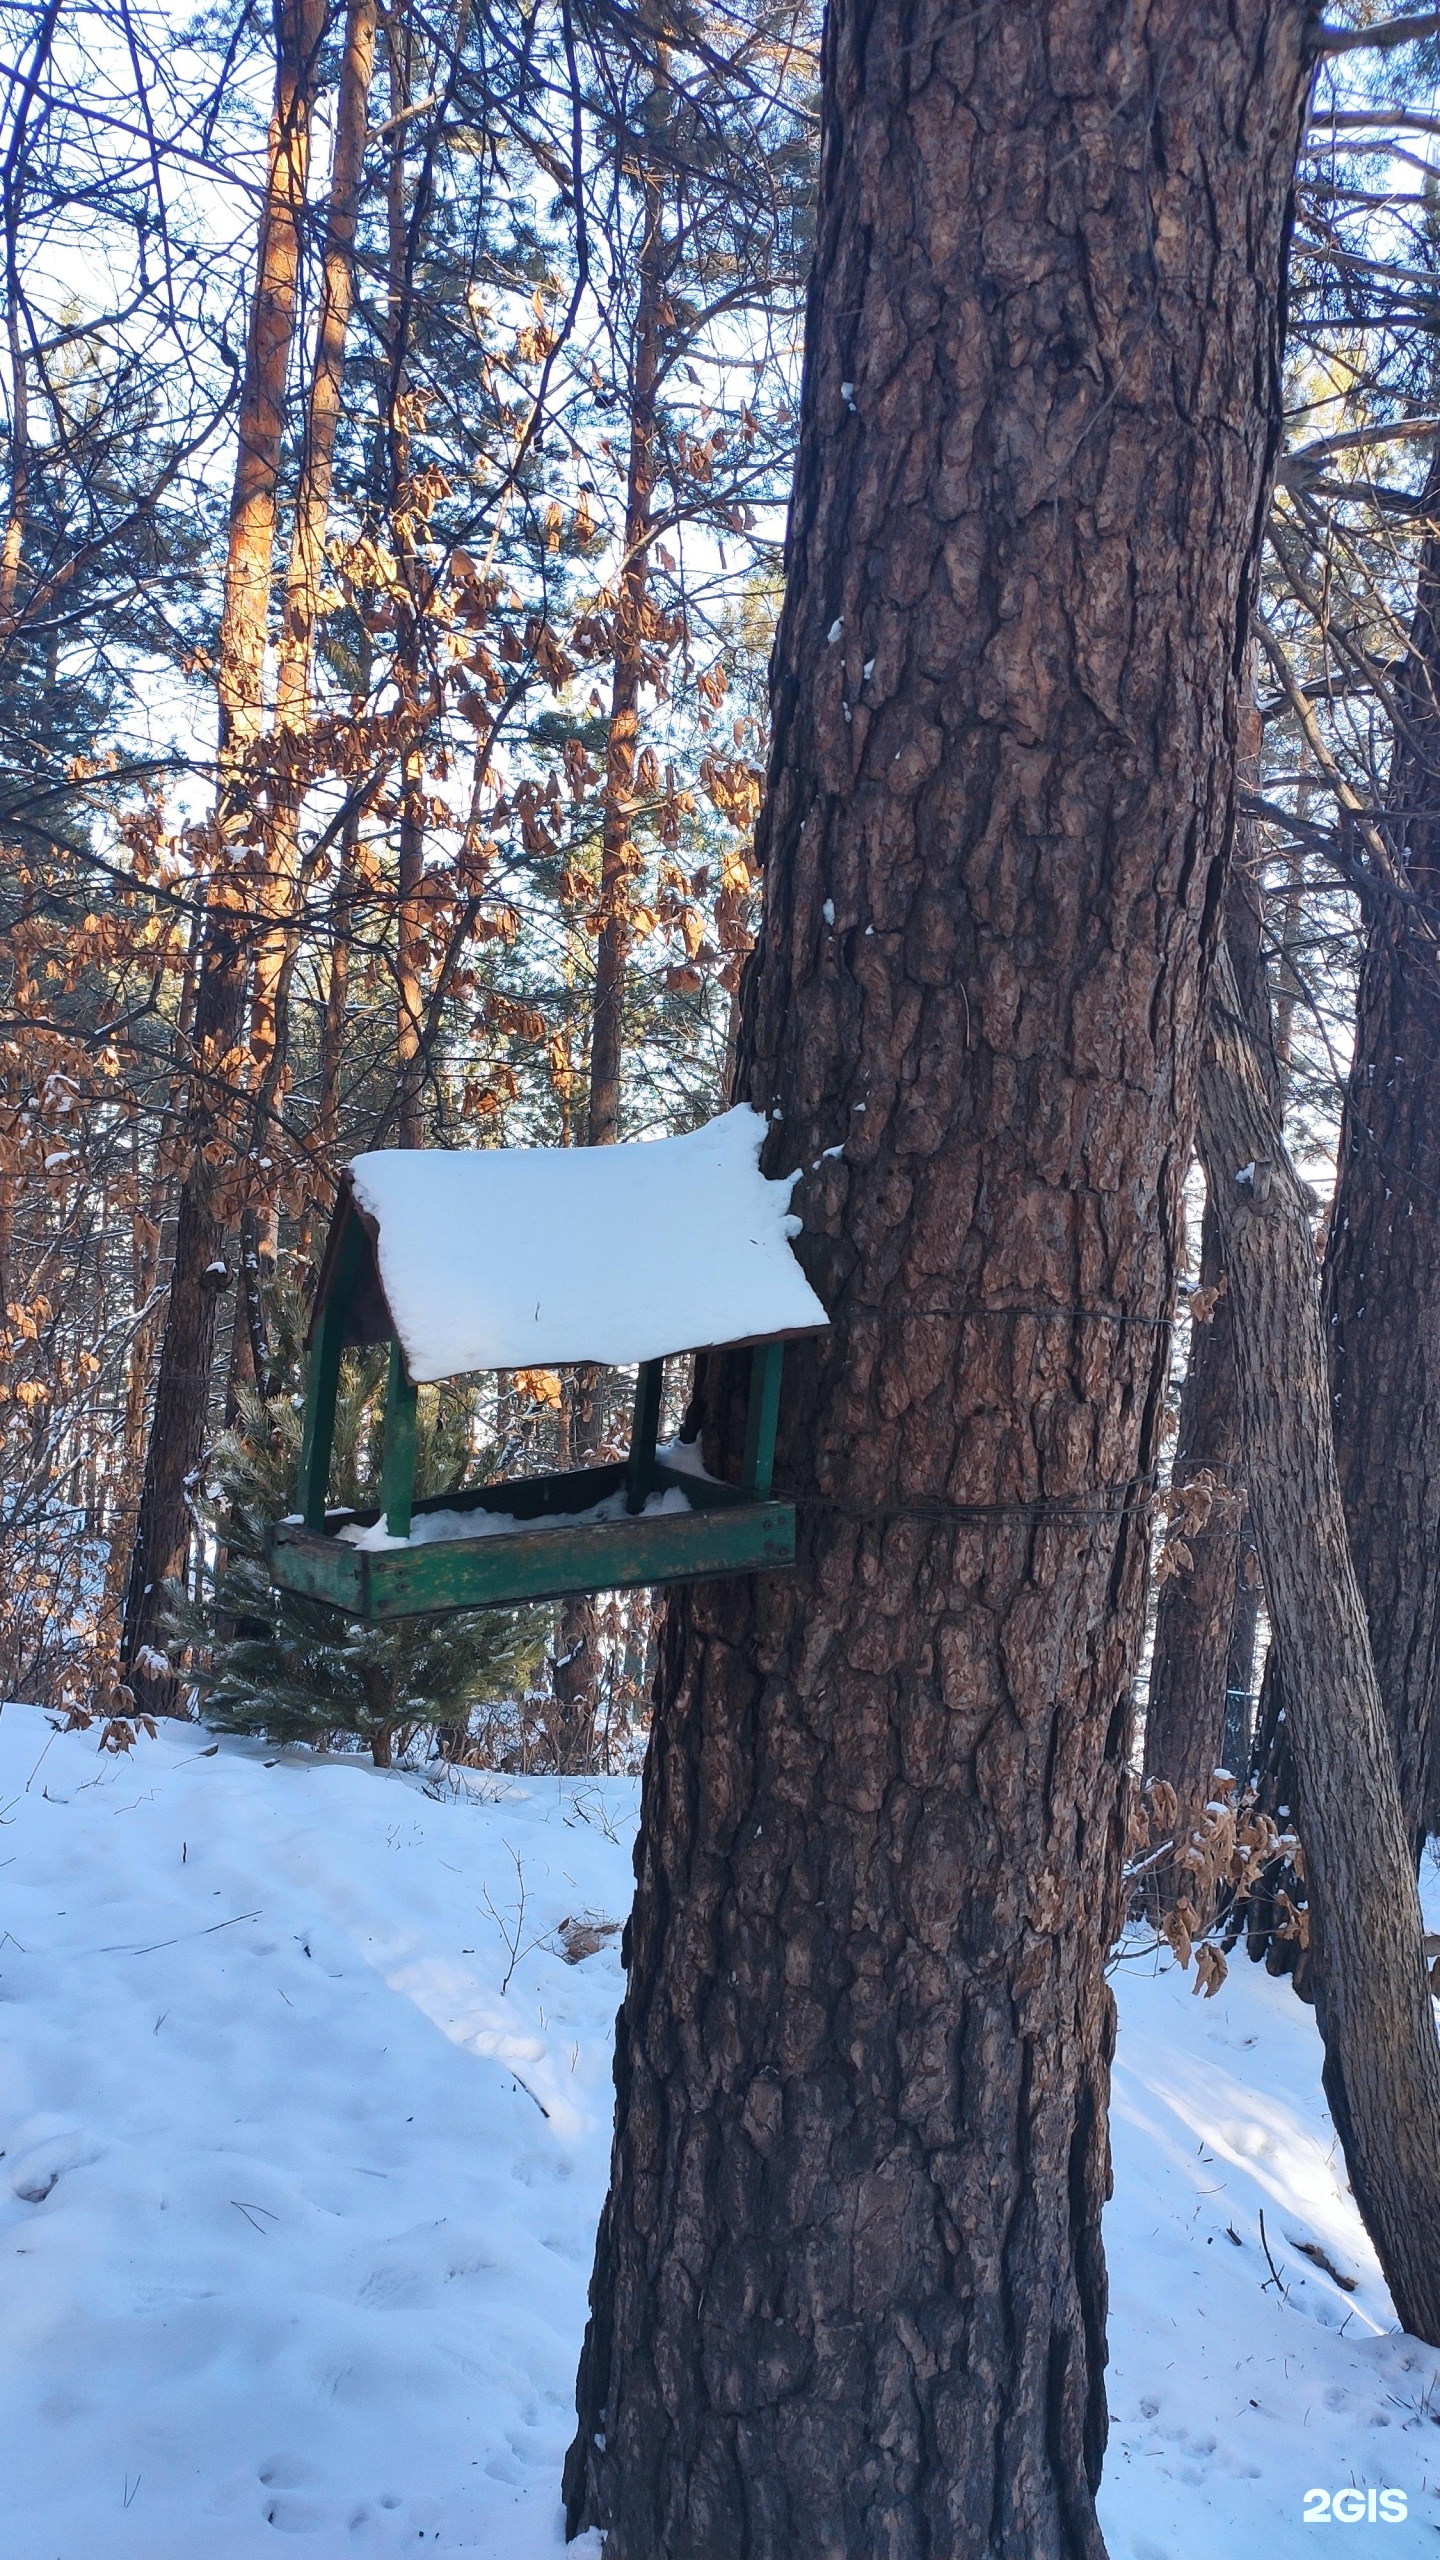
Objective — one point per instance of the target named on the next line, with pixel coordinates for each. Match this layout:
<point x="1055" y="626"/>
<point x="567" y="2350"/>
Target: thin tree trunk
<point x="322" y="419"/>
<point x="337" y="1000"/>
<point x="12" y="189"/>
<point x="128" y="1461"/>
<point x="1240" y="1666"/>
<point x="1289" y="989"/>
<point x="1382" y="1261"/>
<point x="177" y="1430"/>
<point x="1195" y="1616"/>
<point x="305" y="571"/>
<point x="344" y="897"/>
<point x="409" y="954"/>
<point x="409" y="915"/>
<point x="576" y="1667"/>
<point x="299" y="28"/>
<point x="849" y="2293"/>
<point x="12" y="544"/>
<point x="617" y="861"/>
<point x="1367" y="1971"/>
<point x="1185" y="1711"/>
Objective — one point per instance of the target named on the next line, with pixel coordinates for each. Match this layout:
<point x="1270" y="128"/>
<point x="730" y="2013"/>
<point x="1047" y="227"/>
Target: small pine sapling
<point x="272" y="1663"/>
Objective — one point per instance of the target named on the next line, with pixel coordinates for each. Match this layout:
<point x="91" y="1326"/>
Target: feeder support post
<point x="321" y="1386"/>
<point x="644" y="1431"/>
<point x="762" y="1415"/>
<point x="398" y="1455"/>
<point x="322" y="1380"/>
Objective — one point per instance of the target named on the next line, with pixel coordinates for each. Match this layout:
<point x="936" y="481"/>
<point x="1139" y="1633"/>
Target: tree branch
<point x="1390" y="32"/>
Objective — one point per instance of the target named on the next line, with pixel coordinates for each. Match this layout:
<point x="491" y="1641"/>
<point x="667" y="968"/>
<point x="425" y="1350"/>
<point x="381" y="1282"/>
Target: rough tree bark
<point x="849" y="2294"/>
<point x="1367" y="1970"/>
<point x="1382" y="1263"/>
<point x="187" y="1351"/>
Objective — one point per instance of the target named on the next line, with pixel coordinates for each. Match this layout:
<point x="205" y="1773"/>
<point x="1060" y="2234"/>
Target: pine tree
<point x="290" y="1668"/>
<point x="849" y="2289"/>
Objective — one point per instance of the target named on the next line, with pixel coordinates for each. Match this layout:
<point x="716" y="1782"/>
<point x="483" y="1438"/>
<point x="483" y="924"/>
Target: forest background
<point x="399" y="411"/>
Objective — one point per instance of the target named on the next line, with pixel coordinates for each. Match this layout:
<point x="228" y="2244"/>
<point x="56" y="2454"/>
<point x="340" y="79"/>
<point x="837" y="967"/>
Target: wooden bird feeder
<point x="510" y="1258"/>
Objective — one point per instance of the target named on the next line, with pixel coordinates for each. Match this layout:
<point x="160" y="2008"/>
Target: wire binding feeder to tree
<point x="506" y="1258"/>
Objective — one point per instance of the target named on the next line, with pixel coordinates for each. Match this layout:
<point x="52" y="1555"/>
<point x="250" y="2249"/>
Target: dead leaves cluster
<point x="1203" y="1501"/>
<point x="1227" y="1850"/>
<point x="584" y="1936"/>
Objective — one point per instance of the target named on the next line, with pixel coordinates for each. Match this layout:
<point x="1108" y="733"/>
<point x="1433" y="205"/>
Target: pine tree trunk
<point x="1367" y="1971"/>
<point x="570" y="1722"/>
<point x="301" y="614"/>
<point x="306" y="566"/>
<point x="617" y="862"/>
<point x="1382" y="1264"/>
<point x="127" y="1460"/>
<point x="13" y="540"/>
<point x="1185" y="1713"/>
<point x="1240" y="1667"/>
<point x="299" y="30"/>
<point x="1195" y="1616"/>
<point x="409" y="949"/>
<point x="12" y="189"/>
<point x="199" y="1271"/>
<point x="410" y="1039"/>
<point x="849" y="2294"/>
<point x="187" y="1352"/>
<point x="337" y="998"/>
<point x="344" y="900"/>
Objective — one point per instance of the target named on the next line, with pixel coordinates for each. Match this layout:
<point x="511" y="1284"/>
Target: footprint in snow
<point x="295" y="2515"/>
<point x="40" y="2163"/>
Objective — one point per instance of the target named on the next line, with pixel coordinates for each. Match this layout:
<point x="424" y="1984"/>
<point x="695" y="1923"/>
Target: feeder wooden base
<point x="725" y="1531"/>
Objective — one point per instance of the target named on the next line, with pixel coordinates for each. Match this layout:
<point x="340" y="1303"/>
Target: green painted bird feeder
<point x="522" y="1258"/>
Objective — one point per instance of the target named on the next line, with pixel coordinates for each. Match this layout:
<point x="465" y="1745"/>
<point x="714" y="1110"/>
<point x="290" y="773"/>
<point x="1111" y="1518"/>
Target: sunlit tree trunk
<point x="410" y="676"/>
<point x="617" y="859"/>
<point x="12" y="189"/>
<point x="849" y="2293"/>
<point x="577" y="1657"/>
<point x="305" y="572"/>
<point x="337" y="998"/>
<point x="12" y="542"/>
<point x="199" y="1267"/>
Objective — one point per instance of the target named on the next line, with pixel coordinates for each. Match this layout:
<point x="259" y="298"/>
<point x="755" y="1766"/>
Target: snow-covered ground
<point x="305" y="2124"/>
<point x="1238" y="2381"/>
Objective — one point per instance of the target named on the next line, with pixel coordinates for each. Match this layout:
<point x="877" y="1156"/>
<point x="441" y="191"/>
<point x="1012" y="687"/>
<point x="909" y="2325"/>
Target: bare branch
<point x="1381" y="39"/>
<point x="1394" y="431"/>
<point x="1373" y="120"/>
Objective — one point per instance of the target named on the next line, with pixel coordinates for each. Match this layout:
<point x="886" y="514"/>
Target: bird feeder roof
<point x="524" y="1257"/>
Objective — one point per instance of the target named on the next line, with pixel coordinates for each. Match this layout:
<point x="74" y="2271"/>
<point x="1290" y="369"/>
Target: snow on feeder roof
<point x="511" y="1258"/>
<point x="525" y="1257"/>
